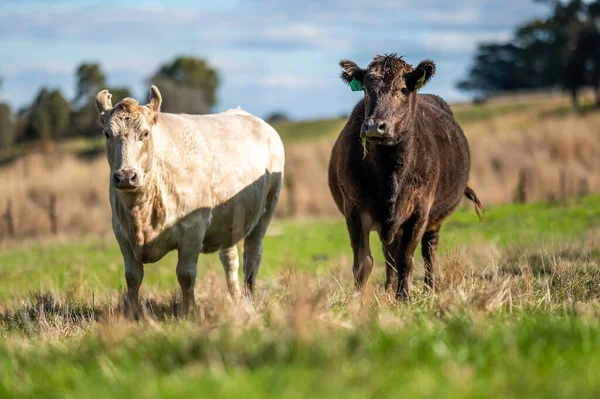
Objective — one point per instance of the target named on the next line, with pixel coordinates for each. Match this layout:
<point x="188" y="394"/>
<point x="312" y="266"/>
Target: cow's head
<point x="390" y="86"/>
<point x="128" y="130"/>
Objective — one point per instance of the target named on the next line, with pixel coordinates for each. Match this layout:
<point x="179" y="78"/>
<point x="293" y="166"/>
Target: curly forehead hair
<point x="388" y="66"/>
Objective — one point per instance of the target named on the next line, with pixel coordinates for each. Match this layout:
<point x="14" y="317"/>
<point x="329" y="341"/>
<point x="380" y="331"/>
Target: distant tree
<point x="48" y="117"/>
<point x="90" y="80"/>
<point x="562" y="50"/>
<point x="187" y="85"/>
<point x="59" y="114"/>
<point x="498" y="67"/>
<point x="277" y="116"/>
<point x="7" y="127"/>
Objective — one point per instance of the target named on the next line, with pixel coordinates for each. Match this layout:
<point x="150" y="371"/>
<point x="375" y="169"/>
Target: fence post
<point x="290" y="184"/>
<point x="584" y="188"/>
<point x="52" y="214"/>
<point x="9" y="220"/>
<point x="522" y="187"/>
<point x="562" y="180"/>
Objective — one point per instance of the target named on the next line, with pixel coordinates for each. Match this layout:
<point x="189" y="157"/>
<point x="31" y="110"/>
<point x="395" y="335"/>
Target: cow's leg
<point x="359" y="226"/>
<point x="429" y="247"/>
<point x="412" y="232"/>
<point x="391" y="269"/>
<point x="230" y="260"/>
<point x="134" y="274"/>
<point x="253" y="243"/>
<point x="186" y="275"/>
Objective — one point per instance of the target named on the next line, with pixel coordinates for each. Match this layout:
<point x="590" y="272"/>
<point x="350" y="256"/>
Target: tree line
<point x="560" y="51"/>
<point x="187" y="85"/>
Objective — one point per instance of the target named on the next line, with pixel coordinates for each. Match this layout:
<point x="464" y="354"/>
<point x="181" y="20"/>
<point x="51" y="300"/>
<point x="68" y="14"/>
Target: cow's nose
<point x="126" y="178"/>
<point x="366" y="127"/>
<point x="371" y="128"/>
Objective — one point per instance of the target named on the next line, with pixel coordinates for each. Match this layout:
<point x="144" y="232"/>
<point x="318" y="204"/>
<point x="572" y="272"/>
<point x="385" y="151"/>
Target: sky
<point x="271" y="55"/>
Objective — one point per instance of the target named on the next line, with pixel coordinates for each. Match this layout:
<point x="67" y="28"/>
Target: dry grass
<point x="304" y="303"/>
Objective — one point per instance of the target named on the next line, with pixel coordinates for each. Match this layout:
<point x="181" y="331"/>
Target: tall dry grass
<point x="551" y="152"/>
<point x="555" y="151"/>
<point x="303" y="303"/>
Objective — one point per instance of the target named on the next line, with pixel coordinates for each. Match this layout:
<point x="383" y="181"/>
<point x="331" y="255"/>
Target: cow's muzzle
<point x="127" y="179"/>
<point x="373" y="129"/>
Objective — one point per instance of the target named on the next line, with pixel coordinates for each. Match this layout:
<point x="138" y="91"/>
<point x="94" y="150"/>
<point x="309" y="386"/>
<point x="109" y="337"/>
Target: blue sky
<point x="271" y="54"/>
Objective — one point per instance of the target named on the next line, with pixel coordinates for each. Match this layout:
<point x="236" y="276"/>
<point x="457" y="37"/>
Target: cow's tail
<point x="479" y="208"/>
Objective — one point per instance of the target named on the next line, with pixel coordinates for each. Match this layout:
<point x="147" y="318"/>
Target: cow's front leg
<point x="134" y="274"/>
<point x="359" y="225"/>
<point x="186" y="275"/>
<point x="392" y="222"/>
<point x="412" y="233"/>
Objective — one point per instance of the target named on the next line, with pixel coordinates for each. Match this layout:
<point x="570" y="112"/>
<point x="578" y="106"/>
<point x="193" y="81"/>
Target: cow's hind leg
<point x="253" y="243"/>
<point x="230" y="260"/>
<point x="429" y="247"/>
<point x="391" y="269"/>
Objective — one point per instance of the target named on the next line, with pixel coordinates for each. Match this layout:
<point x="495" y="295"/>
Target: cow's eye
<point x="404" y="91"/>
<point x="145" y="135"/>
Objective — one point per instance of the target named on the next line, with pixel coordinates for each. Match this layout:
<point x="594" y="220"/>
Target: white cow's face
<point x="129" y="145"/>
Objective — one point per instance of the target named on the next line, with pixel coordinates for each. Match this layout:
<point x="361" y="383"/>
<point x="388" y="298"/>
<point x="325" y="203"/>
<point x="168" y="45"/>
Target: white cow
<point x="194" y="183"/>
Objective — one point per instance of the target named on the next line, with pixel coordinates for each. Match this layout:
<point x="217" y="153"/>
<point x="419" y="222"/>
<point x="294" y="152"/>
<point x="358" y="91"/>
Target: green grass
<point x="95" y="266"/>
<point x="525" y="355"/>
<point x="505" y="330"/>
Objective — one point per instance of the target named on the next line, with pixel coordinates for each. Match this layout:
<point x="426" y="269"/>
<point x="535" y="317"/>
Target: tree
<point x="498" y="67"/>
<point x="187" y="85"/>
<point x="7" y="127"/>
<point x="277" y="116"/>
<point x="560" y="51"/>
<point x="48" y="117"/>
<point x="90" y="80"/>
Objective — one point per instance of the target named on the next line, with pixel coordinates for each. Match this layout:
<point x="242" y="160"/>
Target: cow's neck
<point x="144" y="210"/>
<point x="396" y="159"/>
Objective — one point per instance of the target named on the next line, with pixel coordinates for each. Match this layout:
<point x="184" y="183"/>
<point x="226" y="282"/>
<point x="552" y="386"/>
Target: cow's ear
<point x="352" y="74"/>
<point x="154" y="102"/>
<point x="420" y="75"/>
<point x="103" y="104"/>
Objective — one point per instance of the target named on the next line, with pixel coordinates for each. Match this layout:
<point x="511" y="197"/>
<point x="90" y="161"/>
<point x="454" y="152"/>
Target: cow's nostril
<point x="381" y="127"/>
<point x="116" y="177"/>
<point x="133" y="177"/>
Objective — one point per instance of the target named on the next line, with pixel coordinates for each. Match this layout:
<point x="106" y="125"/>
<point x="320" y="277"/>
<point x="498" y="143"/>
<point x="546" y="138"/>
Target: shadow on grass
<point x="45" y="309"/>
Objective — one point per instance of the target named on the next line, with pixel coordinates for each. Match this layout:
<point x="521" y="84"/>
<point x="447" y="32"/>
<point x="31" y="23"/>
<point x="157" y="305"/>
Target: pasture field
<point x="516" y="314"/>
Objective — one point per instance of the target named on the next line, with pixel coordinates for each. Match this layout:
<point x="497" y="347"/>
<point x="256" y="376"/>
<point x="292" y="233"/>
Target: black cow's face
<point x="390" y="86"/>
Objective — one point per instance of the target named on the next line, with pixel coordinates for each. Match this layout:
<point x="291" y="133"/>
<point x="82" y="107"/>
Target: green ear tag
<point x="355" y="85"/>
<point x="421" y="81"/>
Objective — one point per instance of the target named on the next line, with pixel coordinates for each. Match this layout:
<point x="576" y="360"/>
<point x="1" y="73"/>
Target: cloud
<point x="266" y="51"/>
<point x="459" y="42"/>
<point x="299" y="35"/>
<point x="288" y="81"/>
